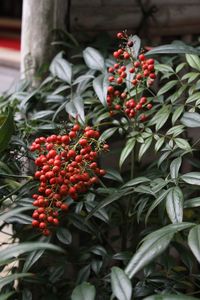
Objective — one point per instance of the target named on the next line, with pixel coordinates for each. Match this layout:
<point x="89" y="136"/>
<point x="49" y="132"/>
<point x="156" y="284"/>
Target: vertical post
<point x="39" y="18"/>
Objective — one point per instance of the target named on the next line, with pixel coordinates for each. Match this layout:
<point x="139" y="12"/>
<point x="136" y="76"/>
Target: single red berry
<point x="149" y="106"/>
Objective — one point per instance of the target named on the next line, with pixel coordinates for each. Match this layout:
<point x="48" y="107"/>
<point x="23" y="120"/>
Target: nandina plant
<point x="125" y="216"/>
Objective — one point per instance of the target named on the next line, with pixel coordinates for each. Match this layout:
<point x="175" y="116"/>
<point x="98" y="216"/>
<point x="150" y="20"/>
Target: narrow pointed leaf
<point x="194" y="241"/>
<point x="174" y="205"/>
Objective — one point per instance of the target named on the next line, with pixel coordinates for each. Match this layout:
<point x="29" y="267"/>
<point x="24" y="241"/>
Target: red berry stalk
<point x="66" y="166"/>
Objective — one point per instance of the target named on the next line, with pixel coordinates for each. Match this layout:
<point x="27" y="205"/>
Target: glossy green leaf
<point x="163" y="68"/>
<point x="177" y="113"/>
<point x="182" y="143"/>
<point x="193" y="61"/>
<point x="173" y="49"/>
<point x="174" y="205"/>
<point x="161" y="117"/>
<point x="175" y="130"/>
<point x="159" y="143"/>
<point x="144" y="147"/>
<point x="10" y="278"/>
<point x="14" y="212"/>
<point x="126" y="151"/>
<point x="153" y="245"/>
<point x="175" y="167"/>
<point x="191" y="119"/>
<point x="156" y="202"/>
<point x="61" y="68"/>
<point x="108" y="133"/>
<point x="191" y="178"/>
<point x="16" y="250"/>
<point x="121" y="284"/>
<point x="194" y="241"/>
<point x="84" y="291"/>
<point x="64" y="235"/>
<point x="93" y="59"/>
<point x="193" y="202"/>
<point x="31" y="259"/>
<point x="193" y="97"/>
<point x="114" y="175"/>
<point x="136" y="181"/>
<point x="167" y="87"/>
<point x="100" y="86"/>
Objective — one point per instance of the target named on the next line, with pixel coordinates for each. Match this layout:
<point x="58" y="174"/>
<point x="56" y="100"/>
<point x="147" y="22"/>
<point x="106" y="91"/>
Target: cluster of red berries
<point x="143" y="73"/>
<point x="66" y="166"/>
<point x="118" y="101"/>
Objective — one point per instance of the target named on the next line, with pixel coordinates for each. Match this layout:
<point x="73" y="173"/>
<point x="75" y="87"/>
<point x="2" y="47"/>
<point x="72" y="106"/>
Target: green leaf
<point x="84" y="291"/>
<point x="180" y="67"/>
<point x="191" y="178"/>
<point x="163" y="68"/>
<point x="136" y="181"/>
<point x="182" y="143"/>
<point x="175" y="130"/>
<point x="64" y="235"/>
<point x="10" y="278"/>
<point x="194" y="202"/>
<point x="153" y="245"/>
<point x="108" y="133"/>
<point x="14" y="212"/>
<point x="161" y="117"/>
<point x="175" y="167"/>
<point x="6" y="130"/>
<point x="144" y="147"/>
<point x="114" y="175"/>
<point x="6" y="296"/>
<point x="61" y="68"/>
<point x="170" y="297"/>
<point x="193" y="61"/>
<point x="167" y="87"/>
<point x="172" y="49"/>
<point x="177" y="113"/>
<point x="121" y="284"/>
<point x="100" y="86"/>
<point x="93" y="59"/>
<point x="191" y="119"/>
<point x="194" y="241"/>
<point x="193" y="97"/>
<point x="16" y="250"/>
<point x="79" y="106"/>
<point x="126" y="150"/>
<point x="156" y="202"/>
<point x="174" y="205"/>
<point x="31" y="259"/>
<point x="159" y="143"/>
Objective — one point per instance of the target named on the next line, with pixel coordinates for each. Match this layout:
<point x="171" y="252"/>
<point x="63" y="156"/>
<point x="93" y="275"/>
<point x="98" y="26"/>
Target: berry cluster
<point x="143" y="74"/>
<point x="66" y="167"/>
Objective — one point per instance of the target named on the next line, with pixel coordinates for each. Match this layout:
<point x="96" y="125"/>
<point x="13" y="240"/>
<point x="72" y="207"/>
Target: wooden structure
<point x="156" y="19"/>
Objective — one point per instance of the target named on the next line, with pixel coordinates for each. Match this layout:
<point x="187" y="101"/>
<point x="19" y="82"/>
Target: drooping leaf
<point x="93" y="59"/>
<point x="194" y="241"/>
<point x="153" y="245"/>
<point x="174" y="205"/>
<point x="108" y="133"/>
<point x="84" y="291"/>
<point x="121" y="284"/>
<point x="114" y="175"/>
<point x="14" y="212"/>
<point x="6" y="296"/>
<point x="191" y="119"/>
<point x="191" y="178"/>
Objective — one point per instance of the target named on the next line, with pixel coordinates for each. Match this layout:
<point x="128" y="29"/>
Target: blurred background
<point x="156" y="21"/>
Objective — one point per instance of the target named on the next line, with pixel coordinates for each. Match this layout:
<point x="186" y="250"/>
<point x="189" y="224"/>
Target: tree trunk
<point x="39" y="18"/>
